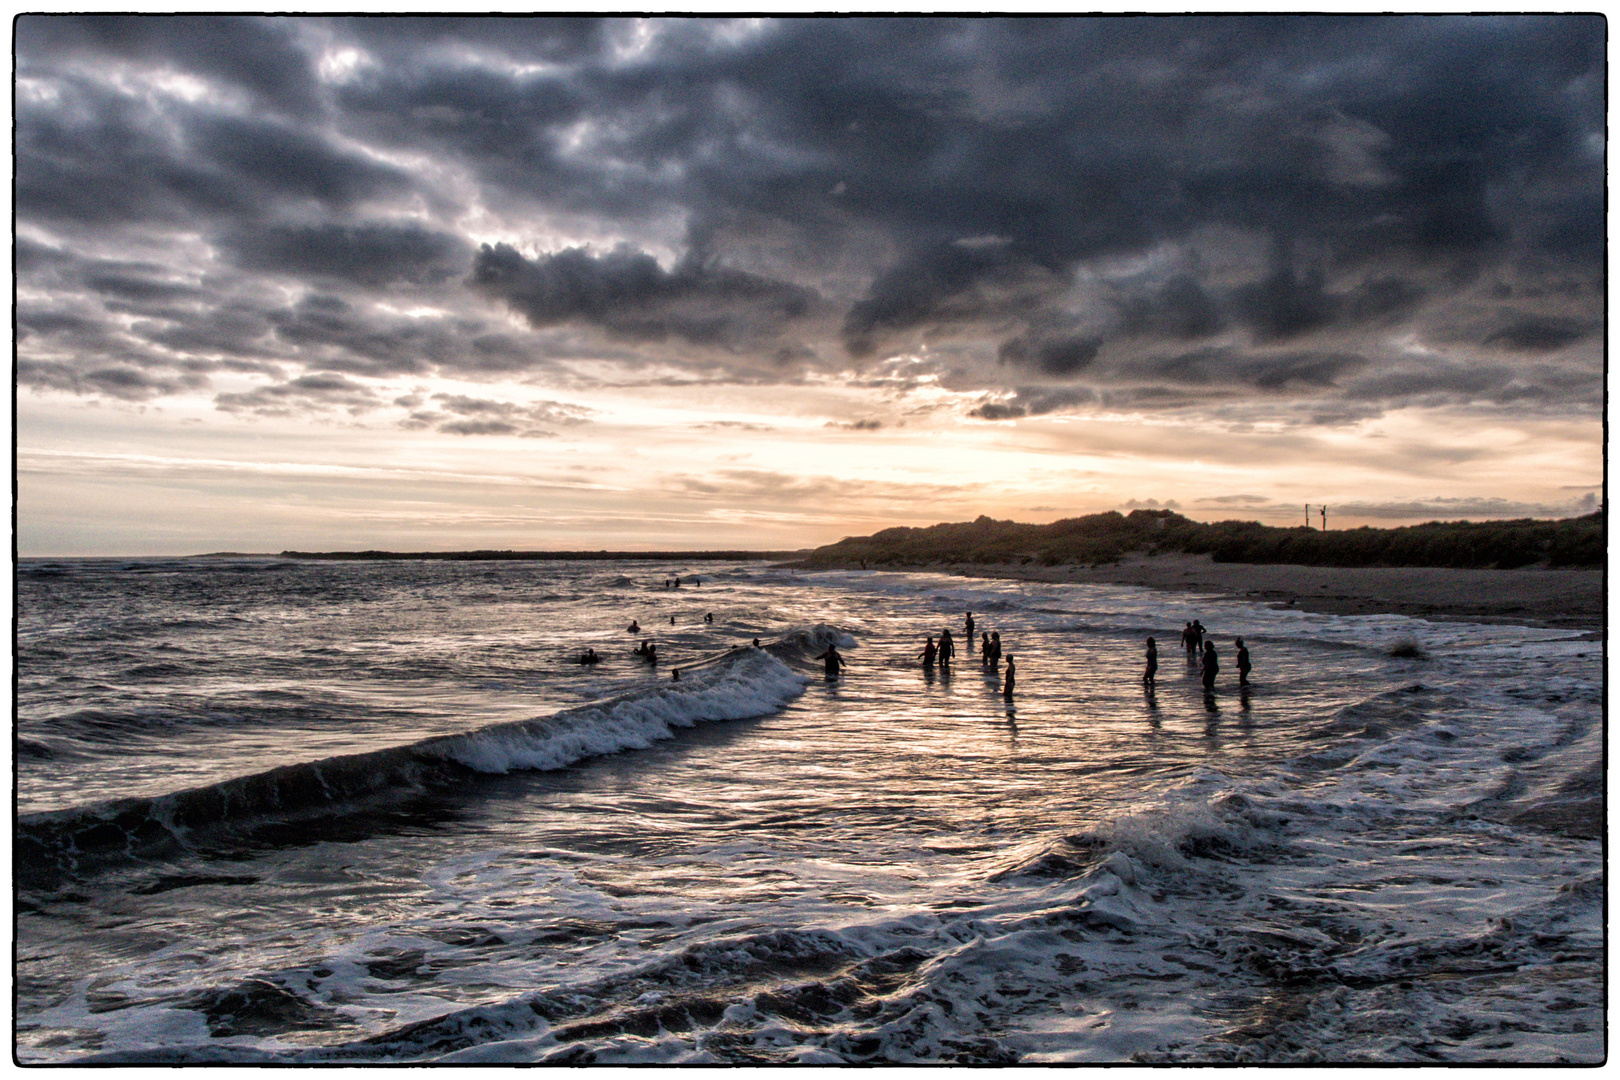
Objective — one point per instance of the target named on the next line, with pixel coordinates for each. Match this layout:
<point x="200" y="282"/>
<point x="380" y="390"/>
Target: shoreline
<point x="1564" y="599"/>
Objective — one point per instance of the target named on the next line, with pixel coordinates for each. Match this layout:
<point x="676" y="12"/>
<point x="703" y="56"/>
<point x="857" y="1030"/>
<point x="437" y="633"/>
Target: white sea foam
<point x="749" y="683"/>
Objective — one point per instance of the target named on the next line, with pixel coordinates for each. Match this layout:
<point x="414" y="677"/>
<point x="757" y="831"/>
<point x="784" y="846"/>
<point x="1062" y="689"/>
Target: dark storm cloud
<point x="1537" y="385"/>
<point x="628" y="294"/>
<point x="270" y="159"/>
<point x="1233" y="368"/>
<point x="369" y="254"/>
<point x="1052" y="355"/>
<point x="258" y="56"/>
<point x="1536" y="335"/>
<point x="1157" y="208"/>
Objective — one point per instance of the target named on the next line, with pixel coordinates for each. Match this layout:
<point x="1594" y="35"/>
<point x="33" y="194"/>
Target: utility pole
<point x="1324" y="517"/>
<point x="1307" y="515"/>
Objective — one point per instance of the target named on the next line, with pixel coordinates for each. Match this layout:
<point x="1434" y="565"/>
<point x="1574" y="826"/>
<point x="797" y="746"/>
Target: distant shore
<point x="1530" y="596"/>
<point x="546" y="556"/>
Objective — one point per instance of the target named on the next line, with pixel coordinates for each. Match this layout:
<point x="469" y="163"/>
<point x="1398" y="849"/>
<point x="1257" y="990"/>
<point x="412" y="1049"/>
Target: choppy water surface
<point x="312" y="812"/>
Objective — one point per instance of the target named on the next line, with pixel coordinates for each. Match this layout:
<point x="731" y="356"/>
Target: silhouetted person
<point x="1187" y="641"/>
<point x="970" y="631"/>
<point x="1210" y="665"/>
<point x="995" y="647"/>
<point x="1007" y="685"/>
<point x="672" y="620"/>
<point x="947" y="647"/>
<point x="1243" y="663"/>
<point x="634" y="627"/>
<point x="1198" y="634"/>
<point x="929" y="652"/>
<point x="709" y="618"/>
<point x="756" y="643"/>
<point x="984" y="648"/>
<point x="675" y="676"/>
<point x="834" y="662"/>
<point x="1152" y="662"/>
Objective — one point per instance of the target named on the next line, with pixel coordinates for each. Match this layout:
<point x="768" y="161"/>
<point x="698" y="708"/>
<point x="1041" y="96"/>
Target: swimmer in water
<point x="1244" y="667"/>
<point x="1007" y="686"/>
<point x="970" y="631"/>
<point x="929" y="652"/>
<point x="947" y="647"/>
<point x="634" y="627"/>
<point x="1209" y="666"/>
<point x="834" y="662"/>
<point x="709" y="618"/>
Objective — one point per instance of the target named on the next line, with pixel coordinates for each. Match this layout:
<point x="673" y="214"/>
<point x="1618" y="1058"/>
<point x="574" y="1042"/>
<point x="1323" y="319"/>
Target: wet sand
<point x="1533" y="596"/>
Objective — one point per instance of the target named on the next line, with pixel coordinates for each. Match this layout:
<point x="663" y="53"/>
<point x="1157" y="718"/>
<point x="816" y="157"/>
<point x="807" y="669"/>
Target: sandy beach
<point x="1530" y="597"/>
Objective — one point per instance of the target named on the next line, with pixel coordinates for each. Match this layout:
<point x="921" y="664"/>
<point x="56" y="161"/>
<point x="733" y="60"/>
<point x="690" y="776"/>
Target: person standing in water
<point x="970" y="631"/>
<point x="1243" y="663"/>
<point x="1187" y="641"/>
<point x="1210" y="665"/>
<point x="984" y="648"/>
<point x="1007" y="685"/>
<point x="929" y="652"/>
<point x="995" y="647"/>
<point x="834" y="662"/>
<point x="1152" y="663"/>
<point x="947" y="647"/>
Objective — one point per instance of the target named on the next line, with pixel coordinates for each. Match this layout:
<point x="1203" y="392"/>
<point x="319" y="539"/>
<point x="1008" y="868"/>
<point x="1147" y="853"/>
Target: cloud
<point x="317" y="393"/>
<point x="1230" y="368"/>
<point x="258" y="56"/>
<point x="1148" y="213"/>
<point x="371" y="253"/>
<point x="459" y="414"/>
<point x="1058" y="356"/>
<point x="628" y="294"/>
<point x="1536" y="335"/>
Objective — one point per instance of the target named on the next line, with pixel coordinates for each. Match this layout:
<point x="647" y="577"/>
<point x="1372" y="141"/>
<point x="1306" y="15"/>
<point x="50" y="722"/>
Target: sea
<point x="359" y="812"/>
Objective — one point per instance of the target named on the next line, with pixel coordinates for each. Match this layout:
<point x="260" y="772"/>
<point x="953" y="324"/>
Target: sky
<point x="325" y="283"/>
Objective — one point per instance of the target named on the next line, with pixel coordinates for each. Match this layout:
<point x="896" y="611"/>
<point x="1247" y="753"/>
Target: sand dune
<point x="1530" y="596"/>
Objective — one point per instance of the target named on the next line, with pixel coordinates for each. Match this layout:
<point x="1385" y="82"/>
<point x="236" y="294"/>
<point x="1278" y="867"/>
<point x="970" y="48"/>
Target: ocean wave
<point x="737" y="684"/>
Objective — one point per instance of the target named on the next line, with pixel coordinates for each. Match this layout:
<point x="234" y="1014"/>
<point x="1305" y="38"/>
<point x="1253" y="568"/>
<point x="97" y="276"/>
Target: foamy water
<point x="375" y="812"/>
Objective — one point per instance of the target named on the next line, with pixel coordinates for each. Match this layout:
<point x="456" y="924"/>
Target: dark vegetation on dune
<point x="1106" y="538"/>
